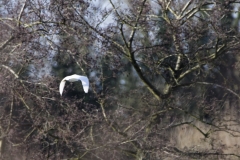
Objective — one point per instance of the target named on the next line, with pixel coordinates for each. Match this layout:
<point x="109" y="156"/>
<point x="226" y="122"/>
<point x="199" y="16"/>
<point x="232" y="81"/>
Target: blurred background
<point x="164" y="79"/>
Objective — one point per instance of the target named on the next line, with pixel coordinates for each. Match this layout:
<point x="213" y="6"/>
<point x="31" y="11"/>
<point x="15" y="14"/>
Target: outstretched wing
<point x="85" y="83"/>
<point x="74" y="78"/>
<point x="62" y="84"/>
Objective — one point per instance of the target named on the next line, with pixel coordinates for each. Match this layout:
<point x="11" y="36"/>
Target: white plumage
<point x="74" y="78"/>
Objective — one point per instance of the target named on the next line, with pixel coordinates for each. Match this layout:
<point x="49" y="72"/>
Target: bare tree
<point x="164" y="79"/>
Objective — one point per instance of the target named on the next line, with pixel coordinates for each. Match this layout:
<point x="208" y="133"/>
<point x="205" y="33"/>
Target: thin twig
<point x="217" y="85"/>
<point x="20" y="14"/>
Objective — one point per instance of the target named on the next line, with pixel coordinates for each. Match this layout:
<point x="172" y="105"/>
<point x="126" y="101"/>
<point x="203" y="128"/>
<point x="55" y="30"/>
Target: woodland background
<point x="164" y="79"/>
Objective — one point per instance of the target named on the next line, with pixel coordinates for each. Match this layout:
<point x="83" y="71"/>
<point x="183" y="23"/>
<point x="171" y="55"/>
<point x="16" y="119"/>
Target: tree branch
<point x="20" y="14"/>
<point x="6" y="43"/>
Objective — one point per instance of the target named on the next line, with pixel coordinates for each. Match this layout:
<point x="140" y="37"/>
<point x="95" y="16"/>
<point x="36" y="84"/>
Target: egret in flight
<point x="74" y="78"/>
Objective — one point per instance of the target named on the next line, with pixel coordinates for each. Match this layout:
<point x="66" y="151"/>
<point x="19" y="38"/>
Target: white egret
<point x="74" y="78"/>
